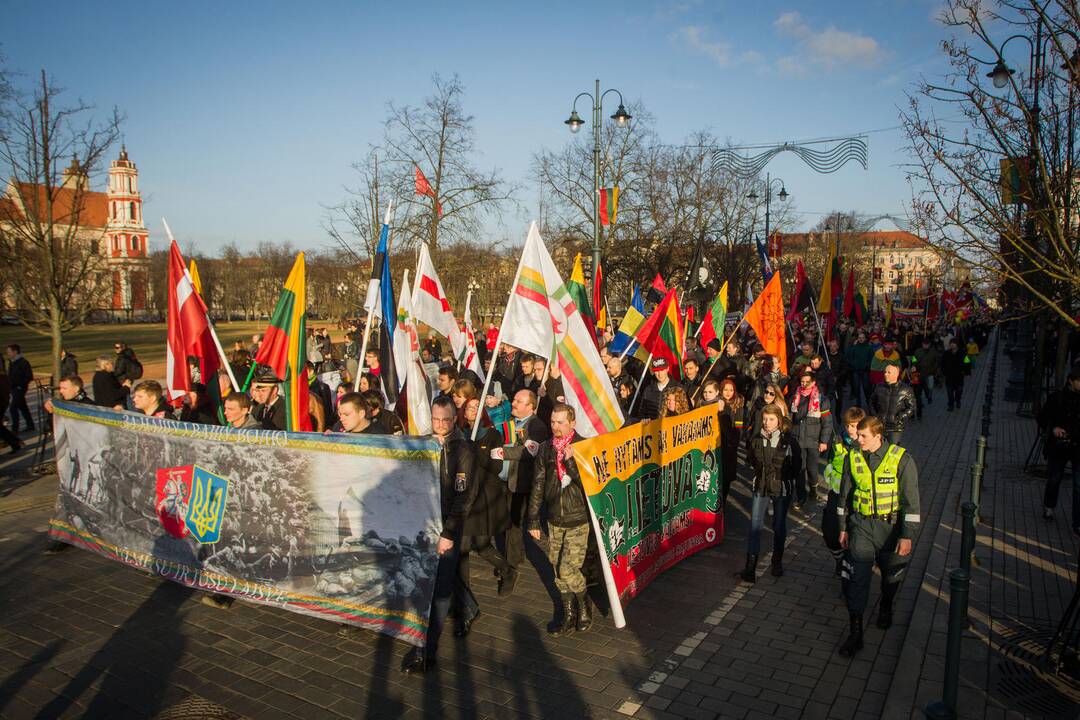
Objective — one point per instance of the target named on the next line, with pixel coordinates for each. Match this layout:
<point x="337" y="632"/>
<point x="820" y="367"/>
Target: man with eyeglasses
<point x="459" y="488"/>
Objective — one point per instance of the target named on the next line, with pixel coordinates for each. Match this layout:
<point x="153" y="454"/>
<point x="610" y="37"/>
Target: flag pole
<point x="209" y="322"/>
<point x="498" y="344"/>
<point x="641" y="380"/>
<point x="370" y="310"/>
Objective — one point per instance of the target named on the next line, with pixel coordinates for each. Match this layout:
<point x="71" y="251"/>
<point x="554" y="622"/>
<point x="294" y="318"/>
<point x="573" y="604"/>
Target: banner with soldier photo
<point x="654" y="489"/>
<point x="342" y="527"/>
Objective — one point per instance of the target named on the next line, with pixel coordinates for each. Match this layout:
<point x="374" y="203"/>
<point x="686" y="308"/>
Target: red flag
<point x="849" y="295"/>
<point x="657" y="291"/>
<point x="776" y="246"/>
<point x="766" y="317"/>
<point x="423" y="187"/>
<point x="801" y="299"/>
<point x="188" y="333"/>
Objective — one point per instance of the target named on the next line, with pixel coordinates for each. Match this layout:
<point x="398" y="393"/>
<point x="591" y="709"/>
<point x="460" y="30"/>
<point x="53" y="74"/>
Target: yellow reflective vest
<point x="877" y="493"/>
<point x="834" y="471"/>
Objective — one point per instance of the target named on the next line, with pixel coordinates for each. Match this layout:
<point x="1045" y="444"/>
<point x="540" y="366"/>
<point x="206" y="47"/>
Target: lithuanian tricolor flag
<point x="609" y="205"/>
<point x="662" y="333"/>
<point x="712" y="325"/>
<point x="283" y="347"/>
<point x="580" y="294"/>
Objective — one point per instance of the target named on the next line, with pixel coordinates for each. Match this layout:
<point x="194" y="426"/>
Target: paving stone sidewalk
<point x="80" y="636"/>
<point x="1024" y="575"/>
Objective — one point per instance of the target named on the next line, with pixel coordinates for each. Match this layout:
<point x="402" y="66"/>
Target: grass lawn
<point x="148" y="341"/>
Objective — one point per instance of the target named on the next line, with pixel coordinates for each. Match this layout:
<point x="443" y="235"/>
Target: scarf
<point x="560" y="445"/>
<point x="814" y="410"/>
<point x="772" y="439"/>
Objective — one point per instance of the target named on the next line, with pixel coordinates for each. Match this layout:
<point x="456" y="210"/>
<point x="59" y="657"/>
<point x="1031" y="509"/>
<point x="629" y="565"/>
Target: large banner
<point x="342" y="527"/>
<point x="654" y="489"/>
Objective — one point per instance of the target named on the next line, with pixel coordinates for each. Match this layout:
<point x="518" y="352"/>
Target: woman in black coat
<point x="776" y="461"/>
<point x="489" y="515"/>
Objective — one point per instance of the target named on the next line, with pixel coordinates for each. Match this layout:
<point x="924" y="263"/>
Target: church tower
<point x="127" y="238"/>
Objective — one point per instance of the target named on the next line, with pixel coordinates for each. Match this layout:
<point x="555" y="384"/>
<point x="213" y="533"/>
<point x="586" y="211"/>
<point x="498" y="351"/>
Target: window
<point x="134" y="242"/>
<point x="133" y="218"/>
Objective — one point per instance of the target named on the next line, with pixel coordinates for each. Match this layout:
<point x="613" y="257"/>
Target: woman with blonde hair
<point x="674" y="402"/>
<point x="776" y="462"/>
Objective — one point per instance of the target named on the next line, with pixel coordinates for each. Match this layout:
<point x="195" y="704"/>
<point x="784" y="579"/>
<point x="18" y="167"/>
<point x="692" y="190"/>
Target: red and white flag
<point x="471" y="359"/>
<point x="188" y="332"/>
<point x="423" y="187"/>
<point x="430" y="305"/>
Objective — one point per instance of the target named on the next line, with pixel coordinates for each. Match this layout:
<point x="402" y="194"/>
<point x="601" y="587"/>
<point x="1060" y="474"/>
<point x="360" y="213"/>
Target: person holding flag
<point x="283" y="353"/>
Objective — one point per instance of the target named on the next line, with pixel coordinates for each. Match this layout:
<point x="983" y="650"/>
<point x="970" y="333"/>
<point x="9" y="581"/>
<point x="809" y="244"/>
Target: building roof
<point x="882" y="239"/>
<point x="93" y="210"/>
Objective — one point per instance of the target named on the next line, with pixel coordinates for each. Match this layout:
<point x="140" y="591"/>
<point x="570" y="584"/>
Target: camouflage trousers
<point x="566" y="553"/>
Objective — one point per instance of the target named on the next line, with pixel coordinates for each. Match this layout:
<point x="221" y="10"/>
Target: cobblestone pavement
<point x="80" y="636"/>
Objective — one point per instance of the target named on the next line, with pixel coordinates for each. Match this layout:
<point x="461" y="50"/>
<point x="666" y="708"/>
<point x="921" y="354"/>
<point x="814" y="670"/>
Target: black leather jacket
<point x="459" y="484"/>
<point x="893" y="404"/>
<point x="565" y="505"/>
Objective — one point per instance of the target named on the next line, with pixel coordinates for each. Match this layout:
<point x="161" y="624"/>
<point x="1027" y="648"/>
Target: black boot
<point x="853" y="643"/>
<point x="884" y="615"/>
<point x="778" y="562"/>
<point x="749" y="573"/>
<point x="569" y="617"/>
<point x="507" y="581"/>
<point x="584" y="614"/>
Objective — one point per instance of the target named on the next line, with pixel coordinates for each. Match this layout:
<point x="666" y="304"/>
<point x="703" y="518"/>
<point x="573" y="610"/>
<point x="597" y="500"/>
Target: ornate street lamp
<point x="574" y="122"/>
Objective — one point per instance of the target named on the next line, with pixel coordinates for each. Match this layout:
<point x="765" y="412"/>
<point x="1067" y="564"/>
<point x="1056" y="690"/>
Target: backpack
<point x="134" y="368"/>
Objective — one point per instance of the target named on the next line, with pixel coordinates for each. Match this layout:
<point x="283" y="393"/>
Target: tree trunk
<point x="56" y="318"/>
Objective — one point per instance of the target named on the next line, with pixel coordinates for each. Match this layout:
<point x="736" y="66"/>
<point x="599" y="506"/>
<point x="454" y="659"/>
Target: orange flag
<point x="766" y="317"/>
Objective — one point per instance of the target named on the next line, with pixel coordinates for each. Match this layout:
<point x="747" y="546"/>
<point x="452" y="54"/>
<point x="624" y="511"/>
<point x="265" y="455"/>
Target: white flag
<point x="541" y="318"/>
<point x="410" y="370"/>
<point x="430" y="305"/>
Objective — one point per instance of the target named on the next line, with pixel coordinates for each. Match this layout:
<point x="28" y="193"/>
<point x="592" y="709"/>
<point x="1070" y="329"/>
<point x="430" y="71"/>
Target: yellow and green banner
<point x="654" y="489"/>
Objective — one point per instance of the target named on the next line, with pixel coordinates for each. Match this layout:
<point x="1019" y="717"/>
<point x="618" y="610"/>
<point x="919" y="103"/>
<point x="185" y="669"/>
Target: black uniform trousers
<point x="873" y="542"/>
<point x="451" y="589"/>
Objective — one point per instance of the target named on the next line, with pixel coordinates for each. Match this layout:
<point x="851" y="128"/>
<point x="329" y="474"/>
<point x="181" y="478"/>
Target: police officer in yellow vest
<point x="842" y="445"/>
<point x="879" y="499"/>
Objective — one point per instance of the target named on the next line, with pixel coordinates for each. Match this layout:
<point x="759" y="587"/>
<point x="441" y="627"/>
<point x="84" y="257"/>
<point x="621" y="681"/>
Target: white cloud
<point x="827" y="47"/>
<point x="693" y="37"/>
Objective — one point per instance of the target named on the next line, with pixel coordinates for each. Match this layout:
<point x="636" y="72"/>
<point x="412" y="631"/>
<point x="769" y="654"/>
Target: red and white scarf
<point x="814" y="410"/>
<point x="560" y="445"/>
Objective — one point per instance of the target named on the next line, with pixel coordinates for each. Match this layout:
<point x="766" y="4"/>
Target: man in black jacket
<point x="459" y="487"/>
<point x="1060" y="421"/>
<point x="651" y="402"/>
<point x="557" y="486"/>
<point x="269" y="408"/>
<point x="893" y="402"/>
<point x="21" y="375"/>
<point x="519" y="466"/>
<point x="955" y="364"/>
<point x="108" y="392"/>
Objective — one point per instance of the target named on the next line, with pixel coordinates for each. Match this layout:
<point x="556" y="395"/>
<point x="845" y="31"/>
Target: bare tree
<point x="54" y="263"/>
<point x="356" y="222"/>
<point x="439" y="138"/>
<point x="1021" y="228"/>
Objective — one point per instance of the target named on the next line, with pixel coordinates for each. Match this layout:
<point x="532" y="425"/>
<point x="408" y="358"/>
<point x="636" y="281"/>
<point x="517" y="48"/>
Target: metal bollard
<point x="976" y="483"/>
<point x="945" y="709"/>
<point x="980" y="451"/>
<point x="967" y="534"/>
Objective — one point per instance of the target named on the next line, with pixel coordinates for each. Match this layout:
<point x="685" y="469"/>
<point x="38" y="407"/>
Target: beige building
<point x="902" y="264"/>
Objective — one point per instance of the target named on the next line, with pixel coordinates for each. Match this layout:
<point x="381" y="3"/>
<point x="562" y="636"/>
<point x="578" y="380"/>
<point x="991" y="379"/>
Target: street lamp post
<point x="622" y="120"/>
<point x="783" y="195"/>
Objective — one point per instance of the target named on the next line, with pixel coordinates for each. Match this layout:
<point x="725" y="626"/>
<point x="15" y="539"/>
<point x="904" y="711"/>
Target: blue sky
<point x="244" y="118"/>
